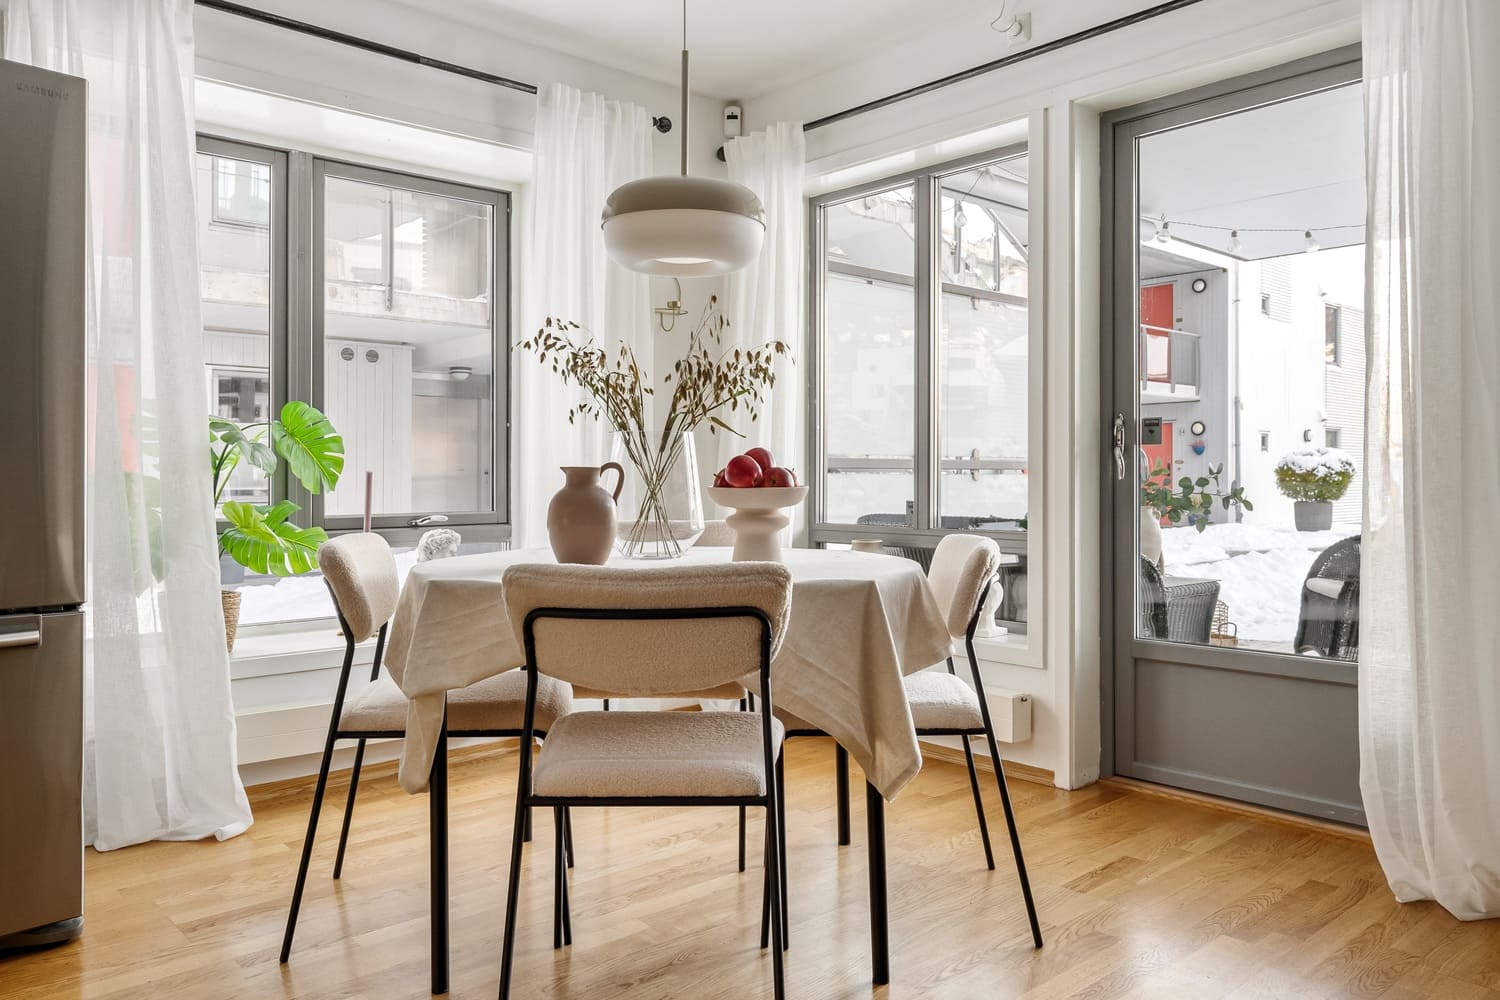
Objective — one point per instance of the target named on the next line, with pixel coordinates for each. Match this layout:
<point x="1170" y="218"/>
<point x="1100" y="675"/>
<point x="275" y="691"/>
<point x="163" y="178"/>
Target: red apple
<point x="762" y="458"/>
<point x="742" y="471"/>
<point x="780" y="476"/>
<point x="719" y="478"/>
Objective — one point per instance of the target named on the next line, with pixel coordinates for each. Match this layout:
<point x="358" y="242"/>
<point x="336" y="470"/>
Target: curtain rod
<point x="1001" y="63"/>
<point x="664" y="124"/>
<point x="661" y="123"/>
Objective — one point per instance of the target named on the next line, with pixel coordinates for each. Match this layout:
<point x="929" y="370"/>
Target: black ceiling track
<point x="1001" y="63"/>
<point x="663" y="124"/>
<point x="354" y="41"/>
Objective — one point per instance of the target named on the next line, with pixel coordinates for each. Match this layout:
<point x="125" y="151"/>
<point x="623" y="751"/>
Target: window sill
<point x="1012" y="648"/>
<point x="294" y="648"/>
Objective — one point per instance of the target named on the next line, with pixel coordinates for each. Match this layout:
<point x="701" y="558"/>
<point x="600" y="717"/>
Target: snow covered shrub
<point x="1315" y="474"/>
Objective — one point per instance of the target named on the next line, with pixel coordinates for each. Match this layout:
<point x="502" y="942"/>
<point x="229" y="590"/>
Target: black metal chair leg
<point x="765" y="897"/>
<point x="559" y="869"/>
<point x="841" y="769"/>
<point x="568" y="833"/>
<point x="1015" y="839"/>
<point x="526" y="826"/>
<point x="774" y="876"/>
<point x="307" y="846"/>
<point x="359" y="759"/>
<point x="512" y="896"/>
<point x="984" y="830"/>
<point x="437" y="795"/>
<point x="880" y="925"/>
<point x="742" y="838"/>
<point x="786" y="936"/>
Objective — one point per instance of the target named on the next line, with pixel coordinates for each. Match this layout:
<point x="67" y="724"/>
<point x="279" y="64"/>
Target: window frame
<point x="479" y="526"/>
<point x="1333" y="315"/>
<point x="295" y="324"/>
<point x="928" y="288"/>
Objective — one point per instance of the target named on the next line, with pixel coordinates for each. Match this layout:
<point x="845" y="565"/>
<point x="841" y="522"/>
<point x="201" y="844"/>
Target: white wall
<point x="1060" y="95"/>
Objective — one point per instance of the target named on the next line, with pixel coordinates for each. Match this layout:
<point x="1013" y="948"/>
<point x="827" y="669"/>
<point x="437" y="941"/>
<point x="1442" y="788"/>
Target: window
<point x="402" y="347"/>
<point x="1265" y="441"/>
<point x="1331" y="437"/>
<point x="1332" y="316"/>
<point x="1265" y="303"/>
<point x="921" y="292"/>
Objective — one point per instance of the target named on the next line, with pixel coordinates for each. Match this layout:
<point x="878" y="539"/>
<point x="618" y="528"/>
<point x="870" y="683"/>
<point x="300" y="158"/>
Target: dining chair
<point x="360" y="572"/>
<point x="649" y="633"/>
<point x="962" y="570"/>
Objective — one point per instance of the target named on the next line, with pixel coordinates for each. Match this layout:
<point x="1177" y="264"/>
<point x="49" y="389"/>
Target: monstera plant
<point x="263" y="539"/>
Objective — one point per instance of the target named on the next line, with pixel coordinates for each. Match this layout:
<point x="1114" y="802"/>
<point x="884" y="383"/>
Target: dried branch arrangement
<point x="707" y="384"/>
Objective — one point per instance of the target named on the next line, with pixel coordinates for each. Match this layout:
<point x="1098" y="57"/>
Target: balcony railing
<point x="1168" y="361"/>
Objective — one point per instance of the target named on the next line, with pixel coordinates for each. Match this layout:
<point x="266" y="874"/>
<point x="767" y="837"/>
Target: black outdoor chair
<point x="1328" y="624"/>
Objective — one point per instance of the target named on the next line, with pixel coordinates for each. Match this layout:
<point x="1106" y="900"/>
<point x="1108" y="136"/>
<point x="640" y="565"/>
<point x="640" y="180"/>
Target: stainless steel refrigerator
<point x="43" y="162"/>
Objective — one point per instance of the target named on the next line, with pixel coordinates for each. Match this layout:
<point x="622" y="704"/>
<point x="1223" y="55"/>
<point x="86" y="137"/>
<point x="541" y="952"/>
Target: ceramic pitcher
<point x="581" y="516"/>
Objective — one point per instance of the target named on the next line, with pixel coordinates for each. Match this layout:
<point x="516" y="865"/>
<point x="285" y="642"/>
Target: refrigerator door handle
<point x="20" y="640"/>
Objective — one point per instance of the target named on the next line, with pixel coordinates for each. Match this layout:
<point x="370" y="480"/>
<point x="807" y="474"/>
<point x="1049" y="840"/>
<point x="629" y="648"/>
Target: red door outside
<point x="1158" y="320"/>
<point x="1159" y="456"/>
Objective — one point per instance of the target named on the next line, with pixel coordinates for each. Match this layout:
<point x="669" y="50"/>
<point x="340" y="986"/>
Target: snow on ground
<point x="1260" y="569"/>
<point x="298" y="598"/>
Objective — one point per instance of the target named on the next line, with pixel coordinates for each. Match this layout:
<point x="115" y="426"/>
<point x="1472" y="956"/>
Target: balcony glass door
<point x="1233" y="366"/>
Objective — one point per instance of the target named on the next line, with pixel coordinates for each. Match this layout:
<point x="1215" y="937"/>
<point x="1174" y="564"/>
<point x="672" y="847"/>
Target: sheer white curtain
<point x="586" y="147"/>
<point x="764" y="301"/>
<point x="1430" y="602"/>
<point x="160" y="761"/>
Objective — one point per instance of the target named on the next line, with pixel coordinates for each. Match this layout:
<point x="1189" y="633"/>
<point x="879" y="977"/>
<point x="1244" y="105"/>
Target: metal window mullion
<point x="300" y="374"/>
<point x="816" y="445"/>
<point x="924" y="486"/>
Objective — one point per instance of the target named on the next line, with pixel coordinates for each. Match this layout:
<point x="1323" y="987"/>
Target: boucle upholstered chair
<point x="649" y="633"/>
<point x="361" y="575"/>
<point x="962" y="572"/>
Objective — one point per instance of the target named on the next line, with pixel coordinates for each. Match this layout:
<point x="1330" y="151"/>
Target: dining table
<point x="859" y="623"/>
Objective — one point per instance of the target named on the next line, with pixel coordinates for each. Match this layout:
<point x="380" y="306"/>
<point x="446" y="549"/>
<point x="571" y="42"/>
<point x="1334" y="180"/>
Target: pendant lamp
<point x="683" y="227"/>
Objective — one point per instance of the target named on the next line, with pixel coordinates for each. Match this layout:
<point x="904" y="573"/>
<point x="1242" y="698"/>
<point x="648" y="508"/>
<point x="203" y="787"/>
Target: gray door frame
<point x="1121" y="649"/>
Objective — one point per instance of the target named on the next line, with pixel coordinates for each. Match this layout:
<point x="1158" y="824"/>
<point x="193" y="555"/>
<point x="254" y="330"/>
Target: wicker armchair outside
<point x="1328" y="624"/>
<point x="1181" y="611"/>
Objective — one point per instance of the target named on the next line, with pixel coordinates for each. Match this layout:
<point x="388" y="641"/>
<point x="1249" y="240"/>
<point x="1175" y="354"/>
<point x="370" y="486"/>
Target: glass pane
<point x="234" y="252"/>
<point x="982" y="348"/>
<point x="869" y="355"/>
<point x="409" y="365"/>
<point x="1250" y="369"/>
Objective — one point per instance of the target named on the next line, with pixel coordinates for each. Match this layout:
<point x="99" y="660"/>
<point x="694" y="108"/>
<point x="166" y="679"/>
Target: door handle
<point x="20" y="640"/>
<point x="1119" y="447"/>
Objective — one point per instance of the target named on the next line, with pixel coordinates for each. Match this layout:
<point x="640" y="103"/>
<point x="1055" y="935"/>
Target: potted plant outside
<point x="1189" y="498"/>
<point x="262" y="538"/>
<point x="1314" y="478"/>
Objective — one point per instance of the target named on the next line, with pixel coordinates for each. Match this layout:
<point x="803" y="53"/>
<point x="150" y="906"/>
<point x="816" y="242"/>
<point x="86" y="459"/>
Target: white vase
<point x="661" y="507"/>
<point x="1151" y="536"/>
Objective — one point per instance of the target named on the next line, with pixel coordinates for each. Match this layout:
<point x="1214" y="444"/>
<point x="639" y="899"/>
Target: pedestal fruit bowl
<point x="758" y="491"/>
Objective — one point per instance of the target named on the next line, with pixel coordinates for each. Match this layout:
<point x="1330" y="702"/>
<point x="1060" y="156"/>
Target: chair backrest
<point x="361" y="573"/>
<point x="716" y="534"/>
<point x="962" y="566"/>
<point x="629" y="652"/>
<point x="1340" y="561"/>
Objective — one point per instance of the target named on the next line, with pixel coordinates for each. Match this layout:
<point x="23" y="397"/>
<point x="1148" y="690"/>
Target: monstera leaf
<point x="312" y="449"/>
<point x="263" y="540"/>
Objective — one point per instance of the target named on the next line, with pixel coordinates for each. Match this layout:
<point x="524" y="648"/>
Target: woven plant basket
<point x="1223" y="632"/>
<point x="231" y="601"/>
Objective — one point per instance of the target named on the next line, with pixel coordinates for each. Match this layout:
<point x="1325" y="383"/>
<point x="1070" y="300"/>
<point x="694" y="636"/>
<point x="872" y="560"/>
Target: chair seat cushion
<point x="654" y="754"/>
<point x="940" y="700"/>
<point x="728" y="691"/>
<point x="497" y="702"/>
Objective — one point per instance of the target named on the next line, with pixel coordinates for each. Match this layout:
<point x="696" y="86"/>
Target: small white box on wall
<point x="1010" y="711"/>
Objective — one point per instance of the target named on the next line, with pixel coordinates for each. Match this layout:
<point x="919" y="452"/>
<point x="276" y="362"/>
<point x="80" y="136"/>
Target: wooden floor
<point x="1140" y="896"/>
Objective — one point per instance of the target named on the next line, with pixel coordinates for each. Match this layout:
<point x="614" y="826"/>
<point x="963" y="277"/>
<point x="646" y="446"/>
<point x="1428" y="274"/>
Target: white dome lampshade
<point x="684" y="227"/>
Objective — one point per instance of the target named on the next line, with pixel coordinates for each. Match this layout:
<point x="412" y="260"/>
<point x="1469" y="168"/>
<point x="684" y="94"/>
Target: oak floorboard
<point x="1142" y="896"/>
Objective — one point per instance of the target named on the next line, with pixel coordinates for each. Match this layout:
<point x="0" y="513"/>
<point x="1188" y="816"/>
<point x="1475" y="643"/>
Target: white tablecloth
<point x="859" y="623"/>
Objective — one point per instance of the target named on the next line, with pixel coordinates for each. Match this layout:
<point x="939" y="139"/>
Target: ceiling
<point x="1294" y="166"/>
<point x="738" y="50"/>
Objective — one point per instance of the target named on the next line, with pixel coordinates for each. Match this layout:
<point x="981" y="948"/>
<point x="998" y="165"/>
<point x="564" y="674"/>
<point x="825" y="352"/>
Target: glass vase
<point x="661" y="506"/>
